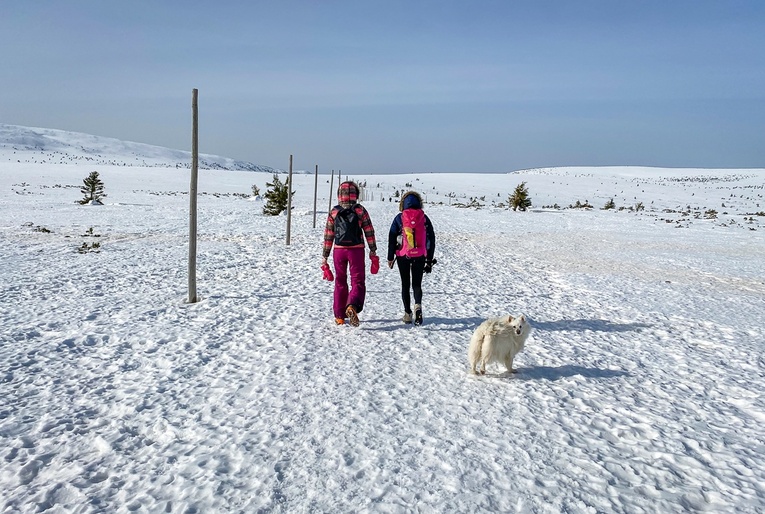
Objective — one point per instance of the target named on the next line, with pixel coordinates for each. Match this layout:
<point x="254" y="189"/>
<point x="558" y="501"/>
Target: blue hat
<point x="411" y="200"/>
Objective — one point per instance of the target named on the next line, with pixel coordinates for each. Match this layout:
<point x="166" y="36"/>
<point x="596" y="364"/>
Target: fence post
<point x="315" y="192"/>
<point x="193" y="199"/>
<point x="331" y="188"/>
<point x="289" y="202"/>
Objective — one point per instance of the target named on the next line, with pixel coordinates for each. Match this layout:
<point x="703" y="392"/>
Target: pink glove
<point x="327" y="272"/>
<point x="375" y="264"/>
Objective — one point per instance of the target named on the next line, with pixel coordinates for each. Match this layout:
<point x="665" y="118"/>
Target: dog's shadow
<point x="566" y="371"/>
<point x="434" y="324"/>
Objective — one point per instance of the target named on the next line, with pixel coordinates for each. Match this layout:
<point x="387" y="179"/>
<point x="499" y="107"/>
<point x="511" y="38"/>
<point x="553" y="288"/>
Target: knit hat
<point x="410" y="200"/>
<point x="347" y="193"/>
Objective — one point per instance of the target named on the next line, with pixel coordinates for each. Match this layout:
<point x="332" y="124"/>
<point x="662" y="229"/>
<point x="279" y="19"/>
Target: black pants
<point x="411" y="271"/>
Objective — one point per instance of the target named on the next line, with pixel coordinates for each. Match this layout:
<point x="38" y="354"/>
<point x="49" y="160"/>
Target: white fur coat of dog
<point x="497" y="340"/>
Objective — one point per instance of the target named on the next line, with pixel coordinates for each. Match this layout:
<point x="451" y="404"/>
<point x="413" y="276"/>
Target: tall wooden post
<point x="193" y="199"/>
<point x="289" y="202"/>
<point x="315" y="192"/>
<point x="331" y="191"/>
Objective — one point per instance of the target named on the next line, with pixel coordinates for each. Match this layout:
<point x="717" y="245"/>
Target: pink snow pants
<point x="349" y="261"/>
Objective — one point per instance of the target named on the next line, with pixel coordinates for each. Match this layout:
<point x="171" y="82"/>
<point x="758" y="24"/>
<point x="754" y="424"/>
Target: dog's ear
<point x="510" y="319"/>
<point x="523" y="318"/>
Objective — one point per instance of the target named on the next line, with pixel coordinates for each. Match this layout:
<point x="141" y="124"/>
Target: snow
<point x="640" y="388"/>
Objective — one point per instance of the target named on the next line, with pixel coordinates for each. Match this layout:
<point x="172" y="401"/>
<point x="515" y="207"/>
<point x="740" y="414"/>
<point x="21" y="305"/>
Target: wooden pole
<point x="289" y="202"/>
<point x="331" y="191"/>
<point x="315" y="192"/>
<point x="193" y="199"/>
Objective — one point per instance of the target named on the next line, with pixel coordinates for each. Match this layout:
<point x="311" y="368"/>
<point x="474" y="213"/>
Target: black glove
<point x="429" y="266"/>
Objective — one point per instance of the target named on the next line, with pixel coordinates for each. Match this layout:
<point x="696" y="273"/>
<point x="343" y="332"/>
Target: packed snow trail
<point x="640" y="388"/>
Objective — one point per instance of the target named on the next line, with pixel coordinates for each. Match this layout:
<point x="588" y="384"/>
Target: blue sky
<point x="399" y="86"/>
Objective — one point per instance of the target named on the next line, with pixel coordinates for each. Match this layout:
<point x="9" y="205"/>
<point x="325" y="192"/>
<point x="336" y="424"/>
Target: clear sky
<point x="399" y="85"/>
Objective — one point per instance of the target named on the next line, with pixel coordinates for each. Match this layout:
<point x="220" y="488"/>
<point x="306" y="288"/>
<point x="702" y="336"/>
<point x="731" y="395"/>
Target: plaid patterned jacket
<point x="366" y="227"/>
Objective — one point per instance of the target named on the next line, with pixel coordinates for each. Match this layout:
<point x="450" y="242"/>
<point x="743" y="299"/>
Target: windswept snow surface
<point x="641" y="388"/>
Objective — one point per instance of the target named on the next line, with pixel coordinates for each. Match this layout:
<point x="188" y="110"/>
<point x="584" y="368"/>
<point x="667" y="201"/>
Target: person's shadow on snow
<point x="469" y="324"/>
<point x="580" y="325"/>
<point x="434" y="324"/>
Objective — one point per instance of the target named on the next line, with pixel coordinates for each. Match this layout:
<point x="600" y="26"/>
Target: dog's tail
<point x="474" y="350"/>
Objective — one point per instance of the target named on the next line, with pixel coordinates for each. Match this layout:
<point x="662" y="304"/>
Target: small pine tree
<point x="520" y="198"/>
<point x="255" y="190"/>
<point x="93" y="189"/>
<point x="276" y="197"/>
<point x="609" y="205"/>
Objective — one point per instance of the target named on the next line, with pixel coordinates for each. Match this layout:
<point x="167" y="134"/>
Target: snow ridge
<point x="50" y="146"/>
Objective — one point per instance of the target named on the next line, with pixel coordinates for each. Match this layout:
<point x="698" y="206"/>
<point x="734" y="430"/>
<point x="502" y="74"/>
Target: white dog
<point x="497" y="340"/>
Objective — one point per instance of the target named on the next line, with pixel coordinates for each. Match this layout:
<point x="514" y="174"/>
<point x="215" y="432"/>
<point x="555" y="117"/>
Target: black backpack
<point x="348" y="227"/>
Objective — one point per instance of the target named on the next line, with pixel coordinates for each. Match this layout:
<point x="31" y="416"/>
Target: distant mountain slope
<point x="51" y="146"/>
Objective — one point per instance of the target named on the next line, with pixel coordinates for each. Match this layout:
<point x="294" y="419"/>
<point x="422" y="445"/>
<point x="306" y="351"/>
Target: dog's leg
<point x="486" y="349"/>
<point x="509" y="364"/>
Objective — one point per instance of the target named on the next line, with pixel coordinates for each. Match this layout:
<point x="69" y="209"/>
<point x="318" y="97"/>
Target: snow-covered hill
<point x="49" y="146"/>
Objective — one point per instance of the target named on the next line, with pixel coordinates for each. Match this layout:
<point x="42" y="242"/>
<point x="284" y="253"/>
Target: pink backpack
<point x="413" y="239"/>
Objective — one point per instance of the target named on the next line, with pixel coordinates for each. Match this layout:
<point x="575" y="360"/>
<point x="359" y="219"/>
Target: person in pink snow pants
<point x="348" y="228"/>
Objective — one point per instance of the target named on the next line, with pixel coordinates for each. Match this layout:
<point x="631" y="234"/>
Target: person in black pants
<point x="411" y="242"/>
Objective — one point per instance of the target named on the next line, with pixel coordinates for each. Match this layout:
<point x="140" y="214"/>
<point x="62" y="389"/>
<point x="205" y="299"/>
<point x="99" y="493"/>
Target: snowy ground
<point x="640" y="389"/>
